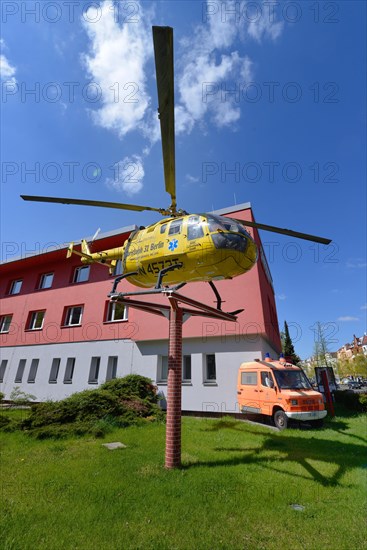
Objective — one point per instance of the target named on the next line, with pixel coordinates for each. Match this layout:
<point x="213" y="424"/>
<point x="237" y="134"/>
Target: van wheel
<point x="280" y="420"/>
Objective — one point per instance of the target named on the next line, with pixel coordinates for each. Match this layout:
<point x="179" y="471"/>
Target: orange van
<point x="280" y="390"/>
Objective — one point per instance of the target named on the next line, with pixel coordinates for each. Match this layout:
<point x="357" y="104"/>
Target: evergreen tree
<point x="287" y="346"/>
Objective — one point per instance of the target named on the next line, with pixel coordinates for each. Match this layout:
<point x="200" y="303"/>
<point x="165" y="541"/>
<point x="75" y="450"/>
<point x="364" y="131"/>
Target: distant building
<point x="349" y="351"/>
<point x="60" y="333"/>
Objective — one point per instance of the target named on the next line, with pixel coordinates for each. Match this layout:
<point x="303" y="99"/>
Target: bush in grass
<point x="2" y="395"/>
<point x="353" y="401"/>
<point x="120" y="402"/>
<point x="132" y="385"/>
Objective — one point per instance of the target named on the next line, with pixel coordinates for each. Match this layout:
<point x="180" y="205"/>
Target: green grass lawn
<point x="235" y="489"/>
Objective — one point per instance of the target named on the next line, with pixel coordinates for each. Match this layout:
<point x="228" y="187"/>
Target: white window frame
<point x="184" y="378"/>
<point x="69" y="370"/>
<point x="112" y="363"/>
<point x="54" y="371"/>
<point x="78" y="271"/>
<point x="33" y="371"/>
<point x="13" y="286"/>
<point x="206" y="379"/>
<point x="94" y="369"/>
<point x="69" y="315"/>
<point x="4" y="324"/>
<point x="3" y="366"/>
<point x="111" y="311"/>
<point x="20" y="371"/>
<point x="33" y="319"/>
<point x="162" y="369"/>
<point x="43" y="280"/>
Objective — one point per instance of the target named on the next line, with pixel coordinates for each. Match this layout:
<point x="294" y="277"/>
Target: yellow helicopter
<point x="182" y="247"/>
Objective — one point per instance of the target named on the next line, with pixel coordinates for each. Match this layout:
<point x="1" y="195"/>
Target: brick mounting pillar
<point x="173" y="419"/>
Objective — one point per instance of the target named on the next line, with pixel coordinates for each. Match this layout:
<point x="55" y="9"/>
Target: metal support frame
<point x="177" y="309"/>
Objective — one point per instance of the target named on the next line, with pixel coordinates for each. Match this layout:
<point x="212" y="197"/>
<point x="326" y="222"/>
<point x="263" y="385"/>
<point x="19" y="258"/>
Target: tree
<point x="287" y="346"/>
<point x="321" y="347"/>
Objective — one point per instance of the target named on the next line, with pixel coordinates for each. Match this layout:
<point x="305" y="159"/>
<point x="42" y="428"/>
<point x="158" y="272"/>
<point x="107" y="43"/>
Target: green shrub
<point x="132" y="385"/>
<point x="2" y="395"/>
<point x="353" y="401"/>
<point x="117" y="403"/>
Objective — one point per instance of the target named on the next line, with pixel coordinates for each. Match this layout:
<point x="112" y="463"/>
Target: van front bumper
<point x="309" y="415"/>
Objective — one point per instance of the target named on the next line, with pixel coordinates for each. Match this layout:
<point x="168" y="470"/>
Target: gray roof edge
<point x="234" y="208"/>
<point x="63" y="246"/>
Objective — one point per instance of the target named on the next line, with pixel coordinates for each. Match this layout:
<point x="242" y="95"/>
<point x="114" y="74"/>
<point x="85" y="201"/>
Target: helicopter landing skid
<point x="219" y="300"/>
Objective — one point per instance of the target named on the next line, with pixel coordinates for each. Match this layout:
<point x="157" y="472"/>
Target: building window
<point x="162" y="374"/>
<point x="69" y="370"/>
<point x="73" y="316"/>
<point x="94" y="370"/>
<point x="210" y="374"/>
<point x="54" y="372"/>
<point x="15" y="286"/>
<point x="81" y="274"/>
<point x="249" y="378"/>
<point x="186" y="368"/>
<point x="33" y="371"/>
<point x="36" y="320"/>
<point x="112" y="367"/>
<point x="46" y="280"/>
<point x="3" y="366"/>
<point x="20" y="371"/>
<point x="5" y="322"/>
<point x="116" y="312"/>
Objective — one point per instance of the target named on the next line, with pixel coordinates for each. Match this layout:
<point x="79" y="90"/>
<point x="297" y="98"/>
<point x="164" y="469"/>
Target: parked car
<point x="354" y="385"/>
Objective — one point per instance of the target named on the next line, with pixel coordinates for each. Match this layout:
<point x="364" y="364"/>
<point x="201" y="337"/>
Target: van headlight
<point x="294" y="402"/>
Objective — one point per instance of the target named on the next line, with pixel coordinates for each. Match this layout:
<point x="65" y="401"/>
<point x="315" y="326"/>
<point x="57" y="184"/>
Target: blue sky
<point x="290" y="139"/>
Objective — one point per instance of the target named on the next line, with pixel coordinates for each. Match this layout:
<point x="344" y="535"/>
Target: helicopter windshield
<point x="227" y="234"/>
<point x="216" y="223"/>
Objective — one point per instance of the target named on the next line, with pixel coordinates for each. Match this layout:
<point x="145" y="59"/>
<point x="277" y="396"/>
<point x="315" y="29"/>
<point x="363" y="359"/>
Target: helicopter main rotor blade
<point x="289" y="232"/>
<point x="163" y="54"/>
<point x="83" y="202"/>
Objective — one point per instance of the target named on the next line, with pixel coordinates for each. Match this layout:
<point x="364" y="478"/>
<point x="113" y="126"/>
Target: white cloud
<point x="208" y="74"/>
<point x="281" y="296"/>
<point x="128" y="175"/>
<point x="364" y="306"/>
<point x="208" y="67"/>
<point x="347" y="318"/>
<point x="117" y="64"/>
<point x="192" y="179"/>
<point x="7" y="71"/>
<point x="357" y="263"/>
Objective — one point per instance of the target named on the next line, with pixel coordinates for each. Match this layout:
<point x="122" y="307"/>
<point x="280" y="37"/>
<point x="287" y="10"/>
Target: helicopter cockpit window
<point x="216" y="223"/>
<point x="194" y="228"/>
<point x="234" y="240"/>
<point x="163" y="228"/>
<point x="175" y="227"/>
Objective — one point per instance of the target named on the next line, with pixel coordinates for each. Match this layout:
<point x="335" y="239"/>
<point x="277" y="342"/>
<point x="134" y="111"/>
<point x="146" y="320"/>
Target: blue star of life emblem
<point x="173" y="245"/>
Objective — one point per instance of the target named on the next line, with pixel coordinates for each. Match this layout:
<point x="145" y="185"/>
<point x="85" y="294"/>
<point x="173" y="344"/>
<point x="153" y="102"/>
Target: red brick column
<point x="173" y="428"/>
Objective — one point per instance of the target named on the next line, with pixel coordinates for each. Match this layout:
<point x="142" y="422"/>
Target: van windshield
<point x="292" y="380"/>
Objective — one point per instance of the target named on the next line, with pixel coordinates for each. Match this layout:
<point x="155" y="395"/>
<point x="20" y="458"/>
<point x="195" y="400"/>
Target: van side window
<point x="266" y="379"/>
<point x="248" y="378"/>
